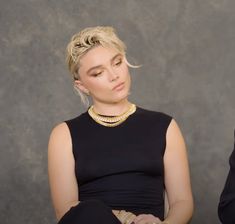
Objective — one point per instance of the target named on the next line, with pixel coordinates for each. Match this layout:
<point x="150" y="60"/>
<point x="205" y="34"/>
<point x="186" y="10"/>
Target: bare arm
<point x="62" y="179"/>
<point x="177" y="181"/>
<point x="177" y="177"/>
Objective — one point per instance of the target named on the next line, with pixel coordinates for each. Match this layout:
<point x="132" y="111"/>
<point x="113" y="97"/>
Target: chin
<point x="116" y="96"/>
<point x="120" y="98"/>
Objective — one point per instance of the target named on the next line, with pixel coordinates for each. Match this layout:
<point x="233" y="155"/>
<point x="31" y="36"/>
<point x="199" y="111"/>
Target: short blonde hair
<point x="85" y="40"/>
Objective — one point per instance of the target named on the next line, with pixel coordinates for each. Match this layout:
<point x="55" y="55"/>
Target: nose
<point x="112" y="75"/>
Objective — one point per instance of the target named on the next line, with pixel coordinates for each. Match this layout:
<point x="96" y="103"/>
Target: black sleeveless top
<point x="122" y="165"/>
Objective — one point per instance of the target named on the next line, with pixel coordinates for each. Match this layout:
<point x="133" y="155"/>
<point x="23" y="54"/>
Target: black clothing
<point x="226" y="209"/>
<point x="89" y="212"/>
<point x="122" y="166"/>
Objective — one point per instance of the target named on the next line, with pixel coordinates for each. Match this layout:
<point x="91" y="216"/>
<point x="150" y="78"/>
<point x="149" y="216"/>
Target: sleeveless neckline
<point x="121" y="124"/>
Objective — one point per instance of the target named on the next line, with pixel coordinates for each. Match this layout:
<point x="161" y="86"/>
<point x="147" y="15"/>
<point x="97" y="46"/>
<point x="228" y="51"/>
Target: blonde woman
<point x="113" y="163"/>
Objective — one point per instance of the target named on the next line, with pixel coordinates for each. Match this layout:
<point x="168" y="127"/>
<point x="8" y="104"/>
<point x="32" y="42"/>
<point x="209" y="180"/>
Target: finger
<point x="139" y="217"/>
<point x="147" y="219"/>
<point x="142" y="221"/>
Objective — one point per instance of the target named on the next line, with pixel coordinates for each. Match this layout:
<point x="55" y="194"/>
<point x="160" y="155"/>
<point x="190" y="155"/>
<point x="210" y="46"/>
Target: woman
<point x="113" y="163"/>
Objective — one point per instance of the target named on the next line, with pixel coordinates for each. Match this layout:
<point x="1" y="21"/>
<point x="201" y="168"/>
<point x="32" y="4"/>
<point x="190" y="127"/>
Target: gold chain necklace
<point x="111" y="121"/>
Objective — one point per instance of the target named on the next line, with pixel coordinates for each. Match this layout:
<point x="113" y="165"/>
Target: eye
<point x="118" y="62"/>
<point x="96" y="74"/>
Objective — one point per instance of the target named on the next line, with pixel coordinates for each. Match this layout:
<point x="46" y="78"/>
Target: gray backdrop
<point x="187" y="49"/>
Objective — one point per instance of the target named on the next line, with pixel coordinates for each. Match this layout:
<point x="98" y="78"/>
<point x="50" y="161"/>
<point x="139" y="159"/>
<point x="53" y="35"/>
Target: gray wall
<point x="187" y="48"/>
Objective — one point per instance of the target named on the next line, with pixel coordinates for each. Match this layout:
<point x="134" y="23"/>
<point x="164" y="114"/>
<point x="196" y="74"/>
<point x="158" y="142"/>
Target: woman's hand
<point x="124" y="217"/>
<point x="147" y="219"/>
<point x="130" y="218"/>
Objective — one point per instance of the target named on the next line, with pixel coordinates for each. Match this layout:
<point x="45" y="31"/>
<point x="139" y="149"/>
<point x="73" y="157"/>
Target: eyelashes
<point x="99" y="73"/>
<point x="96" y="74"/>
<point x="119" y="62"/>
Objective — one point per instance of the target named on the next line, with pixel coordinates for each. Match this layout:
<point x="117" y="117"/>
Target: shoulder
<point x="154" y="115"/>
<point x="60" y="134"/>
<point x="82" y="118"/>
<point x="174" y="138"/>
<point x="60" y="129"/>
<point x="150" y="112"/>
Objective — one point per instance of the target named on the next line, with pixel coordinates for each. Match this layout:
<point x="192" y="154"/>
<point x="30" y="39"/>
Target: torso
<point x="122" y="165"/>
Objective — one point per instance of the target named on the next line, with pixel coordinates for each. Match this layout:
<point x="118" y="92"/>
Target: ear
<point x="79" y="84"/>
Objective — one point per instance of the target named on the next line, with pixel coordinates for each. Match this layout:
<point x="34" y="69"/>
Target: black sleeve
<point x="226" y="208"/>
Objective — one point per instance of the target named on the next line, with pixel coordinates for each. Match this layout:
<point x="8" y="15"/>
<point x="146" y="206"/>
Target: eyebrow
<point x="98" y="66"/>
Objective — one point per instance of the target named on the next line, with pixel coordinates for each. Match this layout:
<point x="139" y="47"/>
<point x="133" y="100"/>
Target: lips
<point x="117" y="86"/>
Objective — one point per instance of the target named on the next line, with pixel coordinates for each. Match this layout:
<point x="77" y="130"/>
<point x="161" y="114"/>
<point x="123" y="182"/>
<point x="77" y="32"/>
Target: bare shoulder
<point x="173" y="132"/>
<point x="173" y="126"/>
<point x="60" y="138"/>
<point x="175" y="142"/>
<point x="60" y="130"/>
<point x="61" y="165"/>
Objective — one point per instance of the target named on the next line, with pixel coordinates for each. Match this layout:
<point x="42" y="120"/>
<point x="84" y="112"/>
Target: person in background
<point x="114" y="162"/>
<point x="226" y="208"/>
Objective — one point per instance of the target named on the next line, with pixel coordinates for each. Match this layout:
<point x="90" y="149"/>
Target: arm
<point x="177" y="181"/>
<point x="227" y="199"/>
<point x="62" y="180"/>
<point x="177" y="177"/>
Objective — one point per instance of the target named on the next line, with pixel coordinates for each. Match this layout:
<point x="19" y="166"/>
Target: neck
<point x="111" y="109"/>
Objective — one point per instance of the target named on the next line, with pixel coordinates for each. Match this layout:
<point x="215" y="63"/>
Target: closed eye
<point x="96" y="74"/>
<point x="118" y="63"/>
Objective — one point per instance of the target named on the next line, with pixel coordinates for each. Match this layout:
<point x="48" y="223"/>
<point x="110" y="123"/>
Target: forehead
<point x="97" y="56"/>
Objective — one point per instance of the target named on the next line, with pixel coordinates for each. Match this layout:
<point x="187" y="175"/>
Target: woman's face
<point x="101" y="70"/>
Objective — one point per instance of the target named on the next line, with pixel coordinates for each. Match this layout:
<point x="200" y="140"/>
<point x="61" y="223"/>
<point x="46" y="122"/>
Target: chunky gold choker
<point x="111" y="121"/>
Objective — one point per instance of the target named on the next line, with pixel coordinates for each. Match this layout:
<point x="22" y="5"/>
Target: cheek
<point x="125" y="71"/>
<point x="127" y="75"/>
<point x="97" y="86"/>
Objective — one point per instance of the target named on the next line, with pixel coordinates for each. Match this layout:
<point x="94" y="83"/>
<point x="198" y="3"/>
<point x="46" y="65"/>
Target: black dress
<point x="226" y="208"/>
<point x="119" y="167"/>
